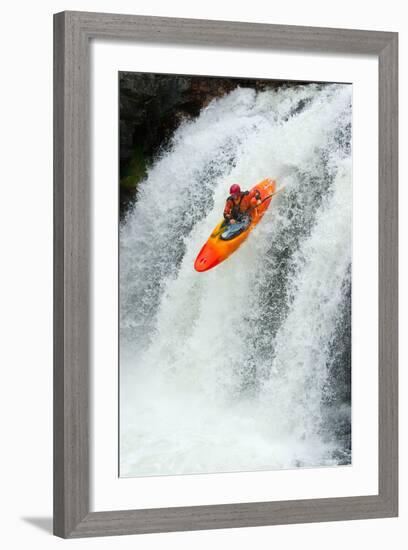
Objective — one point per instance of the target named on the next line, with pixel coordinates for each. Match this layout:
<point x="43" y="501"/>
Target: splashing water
<point x="246" y="366"/>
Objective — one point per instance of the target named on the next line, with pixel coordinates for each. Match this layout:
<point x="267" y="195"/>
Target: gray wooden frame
<point x="72" y="33"/>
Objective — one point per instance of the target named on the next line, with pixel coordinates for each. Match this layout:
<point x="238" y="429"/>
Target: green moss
<point x="135" y="171"/>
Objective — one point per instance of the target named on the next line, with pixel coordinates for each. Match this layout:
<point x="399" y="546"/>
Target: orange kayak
<point x="218" y="248"/>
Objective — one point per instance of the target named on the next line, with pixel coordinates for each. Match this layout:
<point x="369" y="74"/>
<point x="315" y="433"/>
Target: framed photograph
<point x="225" y="289"/>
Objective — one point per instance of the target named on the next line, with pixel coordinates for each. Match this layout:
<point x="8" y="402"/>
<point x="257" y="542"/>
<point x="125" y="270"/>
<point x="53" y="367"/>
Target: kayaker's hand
<point x="232" y="221"/>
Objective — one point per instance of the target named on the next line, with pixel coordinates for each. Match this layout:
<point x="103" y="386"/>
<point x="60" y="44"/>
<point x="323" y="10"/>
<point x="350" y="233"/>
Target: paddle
<point x="222" y="228"/>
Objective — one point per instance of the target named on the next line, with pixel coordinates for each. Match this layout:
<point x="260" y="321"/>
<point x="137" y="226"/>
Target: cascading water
<point x="246" y="366"/>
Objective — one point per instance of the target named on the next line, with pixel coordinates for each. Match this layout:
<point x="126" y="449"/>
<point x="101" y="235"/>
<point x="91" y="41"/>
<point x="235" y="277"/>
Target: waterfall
<point x="246" y="366"/>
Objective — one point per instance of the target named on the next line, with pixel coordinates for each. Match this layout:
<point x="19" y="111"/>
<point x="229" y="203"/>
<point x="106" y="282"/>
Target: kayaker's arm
<point x="256" y="198"/>
<point x="228" y="210"/>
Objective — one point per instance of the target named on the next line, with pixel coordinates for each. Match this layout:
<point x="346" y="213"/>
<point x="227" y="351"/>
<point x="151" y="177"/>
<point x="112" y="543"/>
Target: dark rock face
<point x="147" y="103"/>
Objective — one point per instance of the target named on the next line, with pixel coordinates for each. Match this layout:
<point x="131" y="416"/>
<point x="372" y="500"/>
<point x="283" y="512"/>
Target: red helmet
<point x="235" y="189"/>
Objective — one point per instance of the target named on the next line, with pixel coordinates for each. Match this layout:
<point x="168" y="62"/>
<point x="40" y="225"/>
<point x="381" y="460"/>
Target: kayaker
<point x="239" y="203"/>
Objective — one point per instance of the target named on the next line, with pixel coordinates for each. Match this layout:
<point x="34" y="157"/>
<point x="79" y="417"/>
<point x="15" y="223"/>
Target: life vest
<point x="236" y="211"/>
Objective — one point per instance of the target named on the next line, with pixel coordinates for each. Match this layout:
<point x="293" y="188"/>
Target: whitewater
<point x="246" y="366"/>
